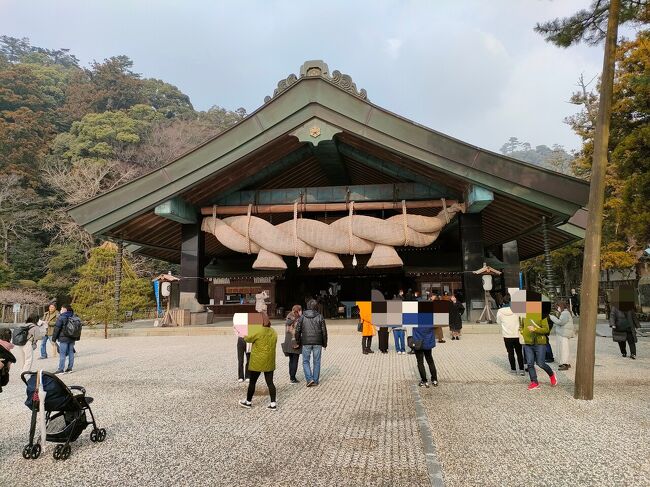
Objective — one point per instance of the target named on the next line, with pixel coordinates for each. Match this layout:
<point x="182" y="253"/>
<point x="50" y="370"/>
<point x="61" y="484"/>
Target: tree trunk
<point x="585" y="359"/>
<point x="567" y="280"/>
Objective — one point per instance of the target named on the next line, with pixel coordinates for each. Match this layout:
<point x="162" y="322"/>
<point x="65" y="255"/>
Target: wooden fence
<point x="7" y="312"/>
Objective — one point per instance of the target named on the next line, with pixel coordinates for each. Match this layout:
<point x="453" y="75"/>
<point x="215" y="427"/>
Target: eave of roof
<point x="319" y="101"/>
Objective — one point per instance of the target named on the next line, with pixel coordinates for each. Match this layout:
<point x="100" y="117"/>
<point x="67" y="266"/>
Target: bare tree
<point x="18" y="211"/>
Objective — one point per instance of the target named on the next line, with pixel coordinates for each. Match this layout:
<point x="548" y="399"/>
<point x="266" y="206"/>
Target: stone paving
<point x="490" y="431"/>
<point x="170" y="407"/>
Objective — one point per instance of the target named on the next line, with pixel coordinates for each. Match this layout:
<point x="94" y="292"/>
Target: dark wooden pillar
<point x="193" y="288"/>
<point x="511" y="260"/>
<point x="473" y="256"/>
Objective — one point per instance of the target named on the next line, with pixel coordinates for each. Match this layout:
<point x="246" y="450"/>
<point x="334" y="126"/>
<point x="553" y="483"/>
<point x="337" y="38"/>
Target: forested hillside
<point x="69" y="132"/>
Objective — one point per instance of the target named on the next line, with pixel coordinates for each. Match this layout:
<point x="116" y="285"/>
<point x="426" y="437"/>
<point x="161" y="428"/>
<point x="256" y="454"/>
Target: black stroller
<point x="65" y="414"/>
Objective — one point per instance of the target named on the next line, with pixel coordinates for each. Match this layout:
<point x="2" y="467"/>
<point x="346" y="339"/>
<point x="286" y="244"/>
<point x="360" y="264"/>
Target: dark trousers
<point x="293" y="365"/>
<point x="629" y="339"/>
<point x="241" y="351"/>
<point x="514" y="347"/>
<point x="268" y="377"/>
<point x="365" y="343"/>
<point x="383" y="339"/>
<point x="549" y="351"/>
<point x="420" y="355"/>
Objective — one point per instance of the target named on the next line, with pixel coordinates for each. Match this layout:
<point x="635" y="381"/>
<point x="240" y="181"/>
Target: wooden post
<point x="549" y="285"/>
<point x="585" y="359"/>
<point x="118" y="283"/>
<point x="324" y="207"/>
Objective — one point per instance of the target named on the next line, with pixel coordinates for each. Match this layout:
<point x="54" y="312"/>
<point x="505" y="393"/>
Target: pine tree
<point x="93" y="295"/>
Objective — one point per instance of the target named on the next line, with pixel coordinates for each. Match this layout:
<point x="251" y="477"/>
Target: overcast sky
<point x="473" y="69"/>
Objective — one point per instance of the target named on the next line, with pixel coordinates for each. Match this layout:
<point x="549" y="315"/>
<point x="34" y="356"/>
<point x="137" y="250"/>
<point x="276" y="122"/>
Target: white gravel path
<point x="169" y="405"/>
<point x="489" y="430"/>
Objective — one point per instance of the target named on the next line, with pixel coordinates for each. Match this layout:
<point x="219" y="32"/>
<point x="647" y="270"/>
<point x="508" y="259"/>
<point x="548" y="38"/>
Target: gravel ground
<point x="490" y="431"/>
<point x="169" y="405"/>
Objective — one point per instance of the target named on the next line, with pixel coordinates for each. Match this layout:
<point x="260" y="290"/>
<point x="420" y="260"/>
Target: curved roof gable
<point x="334" y="105"/>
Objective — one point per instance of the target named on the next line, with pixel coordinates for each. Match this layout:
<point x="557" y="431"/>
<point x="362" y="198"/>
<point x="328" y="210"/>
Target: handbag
<point x="360" y="326"/>
<point x="619" y="336"/>
<point x="417" y="344"/>
<point x="409" y="342"/>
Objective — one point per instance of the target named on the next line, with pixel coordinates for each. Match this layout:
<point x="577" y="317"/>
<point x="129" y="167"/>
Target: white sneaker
<point x="240" y="380"/>
<point x="248" y="380"/>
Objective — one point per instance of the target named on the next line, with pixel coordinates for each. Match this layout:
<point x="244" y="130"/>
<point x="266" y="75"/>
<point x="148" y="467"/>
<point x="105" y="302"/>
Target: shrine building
<point x="320" y="190"/>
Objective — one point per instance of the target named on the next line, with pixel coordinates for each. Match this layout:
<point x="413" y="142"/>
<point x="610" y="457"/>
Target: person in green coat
<point x="534" y="330"/>
<point x="264" y="341"/>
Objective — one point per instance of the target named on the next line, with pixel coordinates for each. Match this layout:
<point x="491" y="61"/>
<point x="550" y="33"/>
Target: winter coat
<point x="509" y="323"/>
<point x="264" y="343"/>
<point x="365" y="315"/>
<point x="564" y="324"/>
<point x="58" y="334"/>
<point x="427" y="336"/>
<point x="50" y="319"/>
<point x="311" y="329"/>
<point x="455" y="316"/>
<point x="289" y="335"/>
<point x="537" y="337"/>
<point x="624" y="321"/>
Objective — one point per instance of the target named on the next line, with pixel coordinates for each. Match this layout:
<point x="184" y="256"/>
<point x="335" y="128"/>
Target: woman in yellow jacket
<point x="367" y="328"/>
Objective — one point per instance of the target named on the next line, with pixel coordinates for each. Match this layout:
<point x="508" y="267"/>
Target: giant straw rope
<point x="352" y="234"/>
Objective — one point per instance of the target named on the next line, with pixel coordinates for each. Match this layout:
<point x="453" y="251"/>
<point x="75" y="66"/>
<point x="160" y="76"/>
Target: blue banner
<point x="156" y="290"/>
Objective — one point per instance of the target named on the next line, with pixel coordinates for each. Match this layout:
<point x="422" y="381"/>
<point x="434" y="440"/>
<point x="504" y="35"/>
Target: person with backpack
<point x="66" y="331"/>
<point x="25" y="338"/>
<point x="424" y="341"/>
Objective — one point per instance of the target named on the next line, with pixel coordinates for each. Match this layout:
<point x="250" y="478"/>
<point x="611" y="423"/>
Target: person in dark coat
<point x="624" y="323"/>
<point x="66" y="344"/>
<point x="311" y="334"/>
<point x="290" y="346"/>
<point x="456" y="318"/>
<point x="574" y="301"/>
<point x="424" y="341"/>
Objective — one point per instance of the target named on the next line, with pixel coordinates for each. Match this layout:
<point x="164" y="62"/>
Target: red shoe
<point x="554" y="380"/>
<point x="532" y="386"/>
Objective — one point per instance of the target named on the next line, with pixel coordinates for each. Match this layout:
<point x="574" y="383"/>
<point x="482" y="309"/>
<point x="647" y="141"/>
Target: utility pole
<point x="586" y="356"/>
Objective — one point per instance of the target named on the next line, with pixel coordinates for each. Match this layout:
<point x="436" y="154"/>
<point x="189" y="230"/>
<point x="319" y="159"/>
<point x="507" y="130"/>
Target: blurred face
<point x="63" y="309"/>
<point x="52" y="308"/>
<point x="453" y="298"/>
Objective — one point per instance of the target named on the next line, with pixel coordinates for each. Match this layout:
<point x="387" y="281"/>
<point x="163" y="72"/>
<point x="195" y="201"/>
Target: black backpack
<point x="19" y="335"/>
<point x="72" y="328"/>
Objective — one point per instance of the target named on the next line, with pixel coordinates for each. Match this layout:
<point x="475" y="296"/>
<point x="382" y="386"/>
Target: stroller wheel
<point x="57" y="452"/>
<point x="36" y="451"/>
<point x="101" y="434"/>
<point x="27" y="452"/>
<point x="65" y="453"/>
<point x="94" y="435"/>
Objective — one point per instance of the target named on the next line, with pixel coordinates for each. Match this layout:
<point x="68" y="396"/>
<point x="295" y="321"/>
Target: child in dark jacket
<point x="424" y="341"/>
